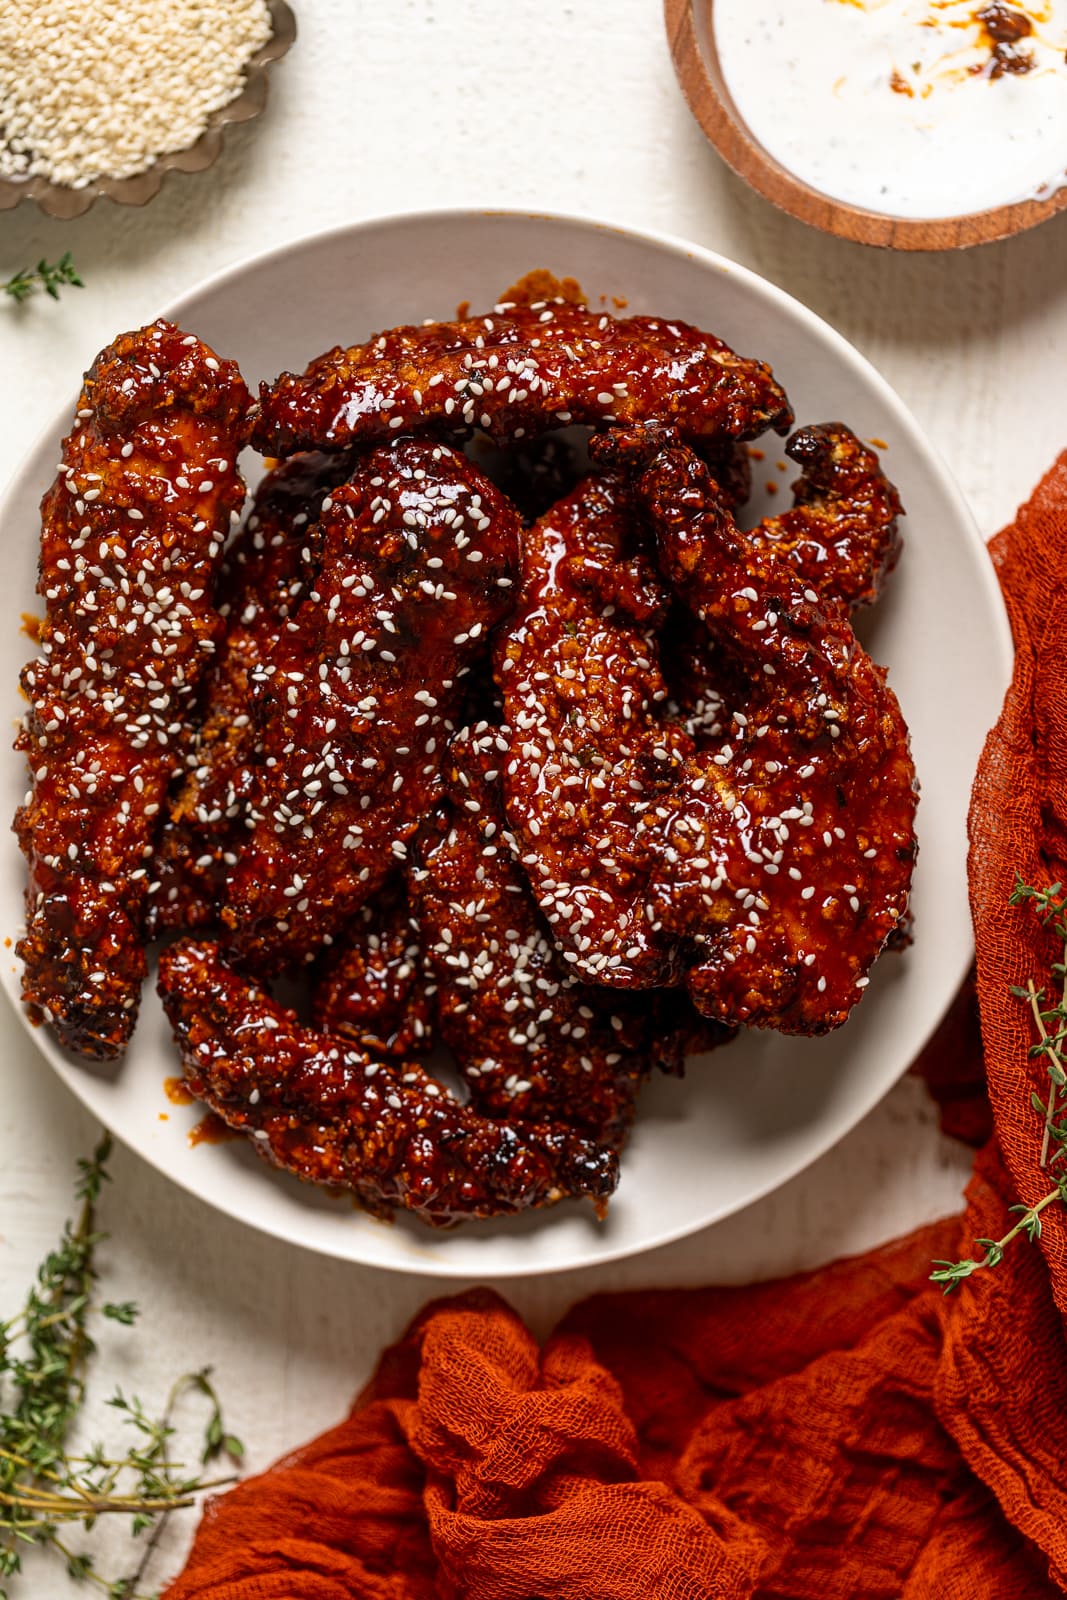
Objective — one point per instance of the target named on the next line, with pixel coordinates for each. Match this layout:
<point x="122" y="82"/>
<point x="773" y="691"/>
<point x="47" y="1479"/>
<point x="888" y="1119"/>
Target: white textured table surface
<point x="568" y="106"/>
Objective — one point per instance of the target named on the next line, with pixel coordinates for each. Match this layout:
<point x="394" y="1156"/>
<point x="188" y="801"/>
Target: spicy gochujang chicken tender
<point x="132" y="537"/>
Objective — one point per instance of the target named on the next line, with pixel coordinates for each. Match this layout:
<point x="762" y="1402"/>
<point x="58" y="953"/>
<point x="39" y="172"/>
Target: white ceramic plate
<point x="753" y="1115"/>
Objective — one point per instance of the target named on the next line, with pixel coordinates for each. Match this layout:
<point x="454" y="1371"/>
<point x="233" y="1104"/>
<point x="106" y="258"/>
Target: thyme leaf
<point x="51" y="276"/>
<point x="44" y="1352"/>
<point x="1049" y="1012"/>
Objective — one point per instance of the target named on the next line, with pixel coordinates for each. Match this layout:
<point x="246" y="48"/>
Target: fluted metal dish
<point x="59" y="200"/>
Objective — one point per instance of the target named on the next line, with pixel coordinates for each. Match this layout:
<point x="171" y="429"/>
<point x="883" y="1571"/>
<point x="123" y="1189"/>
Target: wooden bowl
<point x="696" y="61"/>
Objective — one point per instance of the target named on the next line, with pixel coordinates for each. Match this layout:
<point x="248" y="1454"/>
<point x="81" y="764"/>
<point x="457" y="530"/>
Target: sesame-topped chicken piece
<point x="264" y="576"/>
<point x="578" y="667"/>
<point x="529" y="1039"/>
<point x="523" y="369"/>
<point x="132" y="536"/>
<point x="790" y="862"/>
<point x="371" y="985"/>
<point x="841" y="536"/>
<point x="771" y="864"/>
<point x="457" y="951"/>
<point x="416" y="557"/>
<point x="327" y="1111"/>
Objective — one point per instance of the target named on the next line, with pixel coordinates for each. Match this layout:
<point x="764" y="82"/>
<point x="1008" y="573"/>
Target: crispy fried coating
<point x="416" y="563"/>
<point x="531" y="1042"/>
<point x="371" y="986"/>
<point x="577" y="665"/>
<point x="132" y="536"/>
<point x="841" y="536"/>
<point x="517" y="372"/>
<point x="264" y="576"/>
<point x="785" y="859"/>
<point x="326" y="1111"/>
<point x="772" y="862"/>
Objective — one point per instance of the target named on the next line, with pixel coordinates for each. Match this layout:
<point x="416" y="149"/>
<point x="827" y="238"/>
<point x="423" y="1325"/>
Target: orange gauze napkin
<point x="850" y="1434"/>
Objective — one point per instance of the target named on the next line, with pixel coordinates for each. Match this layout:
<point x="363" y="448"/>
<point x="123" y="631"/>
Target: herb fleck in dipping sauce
<point x="914" y="108"/>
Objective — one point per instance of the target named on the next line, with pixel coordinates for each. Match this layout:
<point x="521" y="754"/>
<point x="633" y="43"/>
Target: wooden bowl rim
<point x="724" y="127"/>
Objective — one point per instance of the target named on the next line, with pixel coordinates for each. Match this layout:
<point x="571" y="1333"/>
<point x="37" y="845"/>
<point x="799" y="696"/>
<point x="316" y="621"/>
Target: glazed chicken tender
<point x="353" y="710"/>
<point x="133" y="532"/>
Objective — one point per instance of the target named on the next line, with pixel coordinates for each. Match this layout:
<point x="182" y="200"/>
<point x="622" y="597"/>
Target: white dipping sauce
<point x="892" y="105"/>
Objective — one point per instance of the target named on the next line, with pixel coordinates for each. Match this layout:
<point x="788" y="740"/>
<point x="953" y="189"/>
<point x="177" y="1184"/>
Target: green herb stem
<point x="1051" y="1023"/>
<point x="44" y="1351"/>
<point x="1053" y="1050"/>
<point x="51" y="276"/>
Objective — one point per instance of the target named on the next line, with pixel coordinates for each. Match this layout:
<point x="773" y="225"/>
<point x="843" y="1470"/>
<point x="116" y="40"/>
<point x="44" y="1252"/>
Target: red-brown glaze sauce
<point x="212" y="1130"/>
<point x="1002" y="29"/>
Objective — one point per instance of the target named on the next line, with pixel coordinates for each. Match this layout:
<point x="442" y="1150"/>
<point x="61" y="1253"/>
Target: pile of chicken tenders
<point x="510" y="745"/>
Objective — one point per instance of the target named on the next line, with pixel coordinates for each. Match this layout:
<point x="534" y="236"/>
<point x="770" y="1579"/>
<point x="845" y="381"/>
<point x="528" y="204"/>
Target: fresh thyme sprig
<point x="44" y="1350"/>
<point x="1049" y="1011"/>
<point x="51" y="276"/>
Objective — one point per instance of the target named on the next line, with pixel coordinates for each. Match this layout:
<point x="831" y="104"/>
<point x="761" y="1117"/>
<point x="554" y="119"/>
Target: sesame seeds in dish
<point x="537" y="760"/>
<point x="102" y="98"/>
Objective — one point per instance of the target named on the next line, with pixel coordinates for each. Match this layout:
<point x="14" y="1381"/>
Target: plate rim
<point x="1000" y="643"/>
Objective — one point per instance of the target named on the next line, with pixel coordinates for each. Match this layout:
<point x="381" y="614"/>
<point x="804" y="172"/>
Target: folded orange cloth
<point x="849" y="1434"/>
